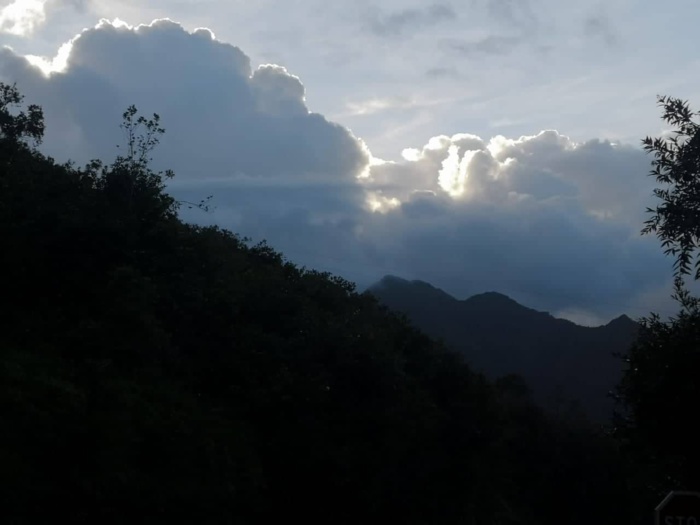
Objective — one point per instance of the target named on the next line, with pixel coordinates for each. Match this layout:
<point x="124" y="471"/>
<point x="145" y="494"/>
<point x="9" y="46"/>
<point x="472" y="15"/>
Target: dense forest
<point x="162" y="372"/>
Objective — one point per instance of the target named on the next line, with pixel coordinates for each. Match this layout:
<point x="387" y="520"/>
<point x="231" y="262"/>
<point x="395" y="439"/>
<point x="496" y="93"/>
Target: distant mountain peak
<point x="389" y="280"/>
<point x="500" y="304"/>
<point x="622" y="320"/>
<point x="392" y="283"/>
<point x="492" y="297"/>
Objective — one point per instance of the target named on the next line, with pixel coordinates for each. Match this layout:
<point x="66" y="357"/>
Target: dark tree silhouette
<point x="659" y="393"/>
<point x="21" y="126"/>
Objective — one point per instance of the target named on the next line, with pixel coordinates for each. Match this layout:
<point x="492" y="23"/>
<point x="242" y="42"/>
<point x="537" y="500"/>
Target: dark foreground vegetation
<point x="153" y="371"/>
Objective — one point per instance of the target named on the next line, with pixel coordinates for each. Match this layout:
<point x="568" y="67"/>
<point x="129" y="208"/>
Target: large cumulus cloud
<point x="552" y="222"/>
<point x="216" y="106"/>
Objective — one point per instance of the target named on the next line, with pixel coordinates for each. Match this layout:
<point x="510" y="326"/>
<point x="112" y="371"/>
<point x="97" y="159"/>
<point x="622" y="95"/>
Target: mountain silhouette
<point x="566" y="365"/>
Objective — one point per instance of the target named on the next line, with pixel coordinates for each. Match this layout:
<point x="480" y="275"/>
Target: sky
<point x="482" y="145"/>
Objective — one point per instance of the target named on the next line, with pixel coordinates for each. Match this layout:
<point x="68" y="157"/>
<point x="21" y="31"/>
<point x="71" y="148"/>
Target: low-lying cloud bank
<point x="551" y="222"/>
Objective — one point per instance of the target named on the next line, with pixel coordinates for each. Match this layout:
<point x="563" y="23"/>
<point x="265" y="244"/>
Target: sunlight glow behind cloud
<point x="453" y="175"/>
<point x="381" y="204"/>
<point x="59" y="63"/>
<point x="55" y="65"/>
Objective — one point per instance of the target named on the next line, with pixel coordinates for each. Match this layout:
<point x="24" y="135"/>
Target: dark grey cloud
<point x="551" y="222"/>
<point x="513" y="23"/>
<point x="489" y="46"/>
<point x="518" y="13"/>
<point x="78" y="5"/>
<point x="408" y="20"/>
<point x="442" y="72"/>
<point x="600" y="27"/>
<point x="517" y="23"/>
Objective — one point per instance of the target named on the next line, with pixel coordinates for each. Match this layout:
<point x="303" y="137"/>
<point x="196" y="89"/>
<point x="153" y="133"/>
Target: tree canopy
<point x="676" y="165"/>
<point x="19" y="126"/>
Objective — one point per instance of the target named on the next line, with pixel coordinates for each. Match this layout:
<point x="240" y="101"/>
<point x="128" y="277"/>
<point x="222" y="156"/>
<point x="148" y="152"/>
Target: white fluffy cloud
<point x="552" y="222"/>
<point x="597" y="175"/>
<point x="224" y="118"/>
<point x="21" y="17"/>
<point x="549" y="221"/>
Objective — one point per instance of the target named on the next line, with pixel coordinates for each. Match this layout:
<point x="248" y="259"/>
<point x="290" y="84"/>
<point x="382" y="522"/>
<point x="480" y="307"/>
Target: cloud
<point x="504" y="26"/>
<point x="552" y="222"/>
<point x="223" y="116"/>
<point x="407" y="20"/>
<point x="55" y="8"/>
<point x="442" y="72"/>
<point x="375" y="105"/>
<point x="535" y="217"/>
<point x="516" y="12"/>
<point x="21" y="17"/>
<point x="490" y="45"/>
<point x="79" y="5"/>
<point x="599" y="26"/>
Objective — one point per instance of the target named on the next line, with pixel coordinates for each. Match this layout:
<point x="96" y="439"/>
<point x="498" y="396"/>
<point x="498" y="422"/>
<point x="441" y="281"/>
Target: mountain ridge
<point x="562" y="362"/>
<point x="390" y="279"/>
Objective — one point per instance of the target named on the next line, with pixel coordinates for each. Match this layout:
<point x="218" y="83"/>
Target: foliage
<point x="156" y="371"/>
<point x="676" y="166"/>
<point x="22" y="126"/>
<point x="659" y="392"/>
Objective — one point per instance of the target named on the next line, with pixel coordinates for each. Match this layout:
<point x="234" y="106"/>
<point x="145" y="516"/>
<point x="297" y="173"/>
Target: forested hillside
<point x="153" y="371"/>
